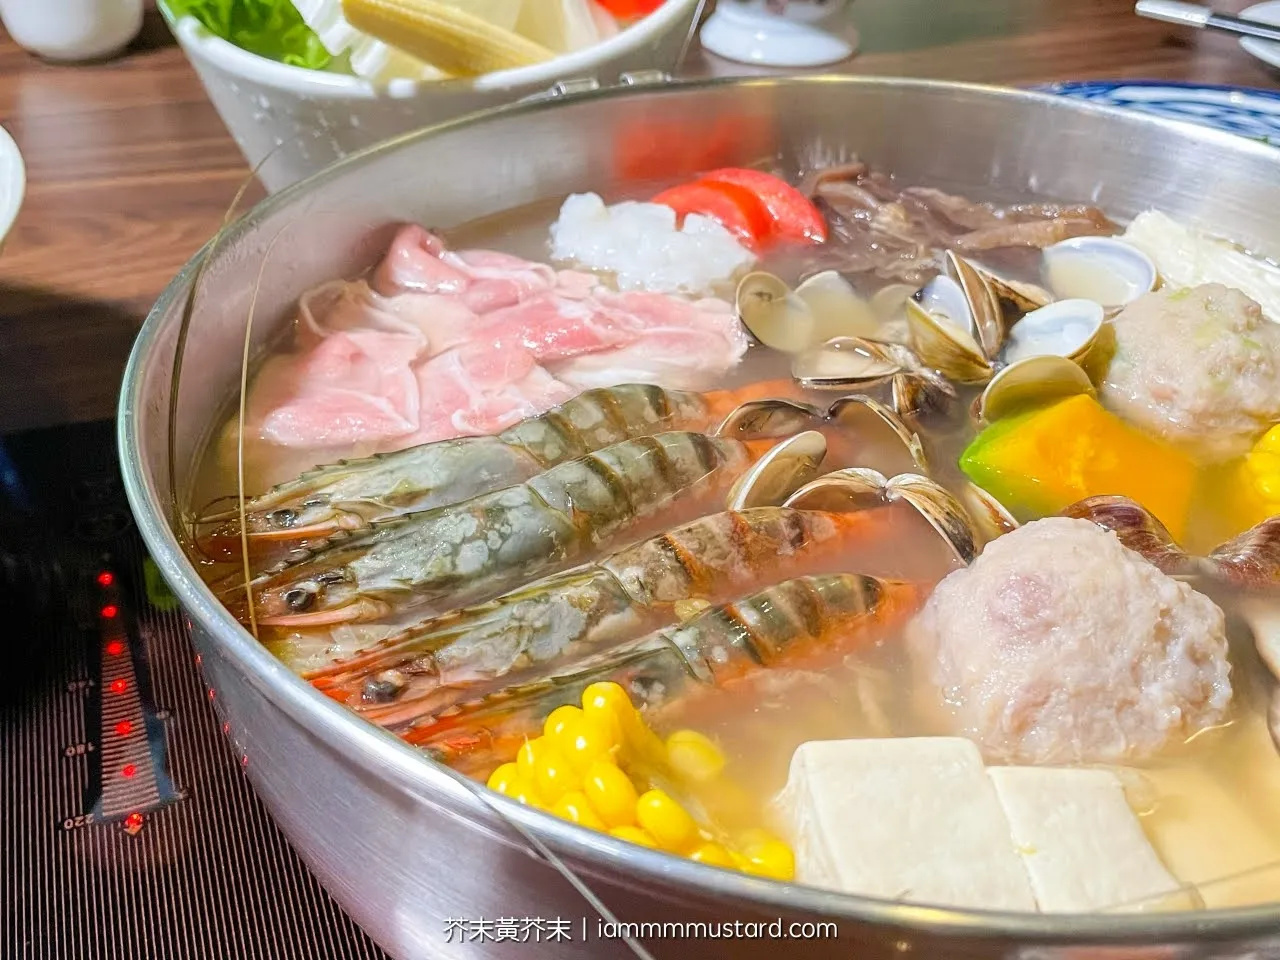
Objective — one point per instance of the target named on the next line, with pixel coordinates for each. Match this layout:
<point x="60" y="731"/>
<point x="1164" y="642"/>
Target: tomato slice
<point x="794" y="216"/>
<point x="737" y="208"/>
<point x="626" y="9"/>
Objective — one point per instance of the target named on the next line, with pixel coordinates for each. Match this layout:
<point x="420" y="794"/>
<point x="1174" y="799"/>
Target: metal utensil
<point x="1203" y="18"/>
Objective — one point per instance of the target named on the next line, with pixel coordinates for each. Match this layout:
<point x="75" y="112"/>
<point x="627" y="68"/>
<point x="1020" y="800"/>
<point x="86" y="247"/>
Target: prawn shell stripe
<point x="767" y="625"/>
<point x="546" y="521"/>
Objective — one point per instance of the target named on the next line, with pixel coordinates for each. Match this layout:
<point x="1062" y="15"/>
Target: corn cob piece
<point x="451" y="39"/>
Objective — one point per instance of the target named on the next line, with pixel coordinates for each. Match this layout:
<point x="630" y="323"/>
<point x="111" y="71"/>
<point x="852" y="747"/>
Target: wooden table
<point x="130" y="169"/>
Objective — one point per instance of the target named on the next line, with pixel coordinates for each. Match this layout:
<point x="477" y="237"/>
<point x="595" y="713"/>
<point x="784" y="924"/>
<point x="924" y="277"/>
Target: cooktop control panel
<point x="129" y="831"/>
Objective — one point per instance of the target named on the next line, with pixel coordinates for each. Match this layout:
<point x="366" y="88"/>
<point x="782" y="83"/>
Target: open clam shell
<point x="941" y="343"/>
<point x="1106" y="270"/>
<point x="845" y="362"/>
<point x="880" y="433"/>
<point x="822" y="307"/>
<point x="773" y="314"/>
<point x="985" y="316"/>
<point x="1018" y="296"/>
<point x="859" y="488"/>
<point x="1065" y="328"/>
<point x="1251" y="560"/>
<point x="1029" y="383"/>
<point x="853" y="488"/>
<point x="838" y="309"/>
<point x="919" y="393"/>
<point x="780" y="472"/>
<point x="990" y="518"/>
<point x="1138" y="529"/>
<point x="767" y="418"/>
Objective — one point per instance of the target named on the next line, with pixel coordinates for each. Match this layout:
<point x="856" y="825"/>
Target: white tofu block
<point x="912" y="819"/>
<point x="1083" y="847"/>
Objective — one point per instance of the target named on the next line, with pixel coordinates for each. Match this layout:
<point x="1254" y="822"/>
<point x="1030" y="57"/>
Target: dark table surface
<point x="130" y="170"/>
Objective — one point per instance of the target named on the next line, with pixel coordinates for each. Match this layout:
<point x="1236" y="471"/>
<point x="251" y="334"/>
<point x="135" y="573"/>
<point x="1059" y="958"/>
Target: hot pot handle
<point x="588" y="84"/>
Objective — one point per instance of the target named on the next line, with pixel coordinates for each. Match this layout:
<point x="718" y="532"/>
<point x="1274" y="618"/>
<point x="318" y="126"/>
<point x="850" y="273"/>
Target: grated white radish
<point x="641" y="246"/>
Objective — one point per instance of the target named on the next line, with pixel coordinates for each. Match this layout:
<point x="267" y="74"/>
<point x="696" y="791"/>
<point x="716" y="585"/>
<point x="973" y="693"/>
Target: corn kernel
<point x="767" y="856"/>
<point x="554" y="776"/>
<point x="523" y="792"/>
<point x="559" y="717"/>
<point x="1268" y="484"/>
<point x="634" y="835"/>
<point x="608" y="704"/>
<point x="1270" y="441"/>
<point x="668" y="822"/>
<point x="694" y="756"/>
<point x="586" y="740"/>
<point x="573" y="806"/>
<point x="611" y="794"/>
<point x="1260" y="463"/>
<point x="505" y="779"/>
<point x="712" y="854"/>
<point x="528" y="754"/>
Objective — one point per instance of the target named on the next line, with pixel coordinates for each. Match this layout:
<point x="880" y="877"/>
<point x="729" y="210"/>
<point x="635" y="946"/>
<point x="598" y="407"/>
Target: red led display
<point x="106" y="578"/>
<point x="124" y="728"/>
<point x="133" y="821"/>
<point x="119" y="686"/>
<point x="110" y="611"/>
<point x="115" y="648"/>
<point x="128" y="770"/>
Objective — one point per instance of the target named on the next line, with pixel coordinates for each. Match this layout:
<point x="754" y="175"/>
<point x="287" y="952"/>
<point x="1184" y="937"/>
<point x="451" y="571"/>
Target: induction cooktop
<point x="129" y="830"/>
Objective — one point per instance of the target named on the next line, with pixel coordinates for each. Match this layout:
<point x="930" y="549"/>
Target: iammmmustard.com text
<point x="725" y="930"/>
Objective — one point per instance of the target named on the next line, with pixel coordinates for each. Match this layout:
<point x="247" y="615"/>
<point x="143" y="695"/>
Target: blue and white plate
<point x="1247" y="111"/>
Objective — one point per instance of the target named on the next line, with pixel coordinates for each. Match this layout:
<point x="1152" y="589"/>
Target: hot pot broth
<point x="1206" y="801"/>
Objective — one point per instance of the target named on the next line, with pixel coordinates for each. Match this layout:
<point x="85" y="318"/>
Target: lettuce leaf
<point x="269" y="28"/>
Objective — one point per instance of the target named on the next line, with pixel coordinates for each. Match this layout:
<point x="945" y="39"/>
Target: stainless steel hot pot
<point x="400" y="843"/>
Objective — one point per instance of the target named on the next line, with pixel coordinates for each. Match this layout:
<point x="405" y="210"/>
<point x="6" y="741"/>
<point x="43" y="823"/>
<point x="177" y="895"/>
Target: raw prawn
<point x="475" y="549"/>
<point x="637" y="589"/>
<point x="722" y="646"/>
<point x="350" y="494"/>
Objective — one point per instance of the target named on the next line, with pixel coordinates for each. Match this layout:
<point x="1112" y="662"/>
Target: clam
<point x="768" y="418"/>
<point x="943" y="332"/>
<point x="822" y="307"/>
<point x="1065" y="328"/>
<point x="1106" y="270"/>
<point x="990" y="518"/>
<point x="780" y="472"/>
<point x="1138" y="529"/>
<point x="1032" y="382"/>
<point x="844" y="362"/>
<point x="774" y="314"/>
<point x="955" y="322"/>
<point x="1251" y="560"/>
<point x="1020" y="297"/>
<point x="917" y="393"/>
<point x="859" y="488"/>
<point x="879" y="431"/>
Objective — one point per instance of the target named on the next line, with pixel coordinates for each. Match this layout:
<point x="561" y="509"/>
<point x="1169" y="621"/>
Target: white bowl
<point x="315" y="118"/>
<point x="13" y="183"/>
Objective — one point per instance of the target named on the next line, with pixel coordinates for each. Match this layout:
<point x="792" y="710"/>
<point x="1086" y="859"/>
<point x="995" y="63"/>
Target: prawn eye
<point x="285" y="518"/>
<point x="298" y="599"/>
<point x="385" y="686"/>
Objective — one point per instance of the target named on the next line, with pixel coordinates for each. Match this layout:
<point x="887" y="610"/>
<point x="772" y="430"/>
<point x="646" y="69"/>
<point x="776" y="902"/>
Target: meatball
<point x="1059" y="645"/>
<point x="1198" y="366"/>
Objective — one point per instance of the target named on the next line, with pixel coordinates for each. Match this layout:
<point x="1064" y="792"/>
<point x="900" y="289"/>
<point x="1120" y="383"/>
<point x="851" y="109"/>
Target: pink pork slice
<point x="443" y="343"/>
